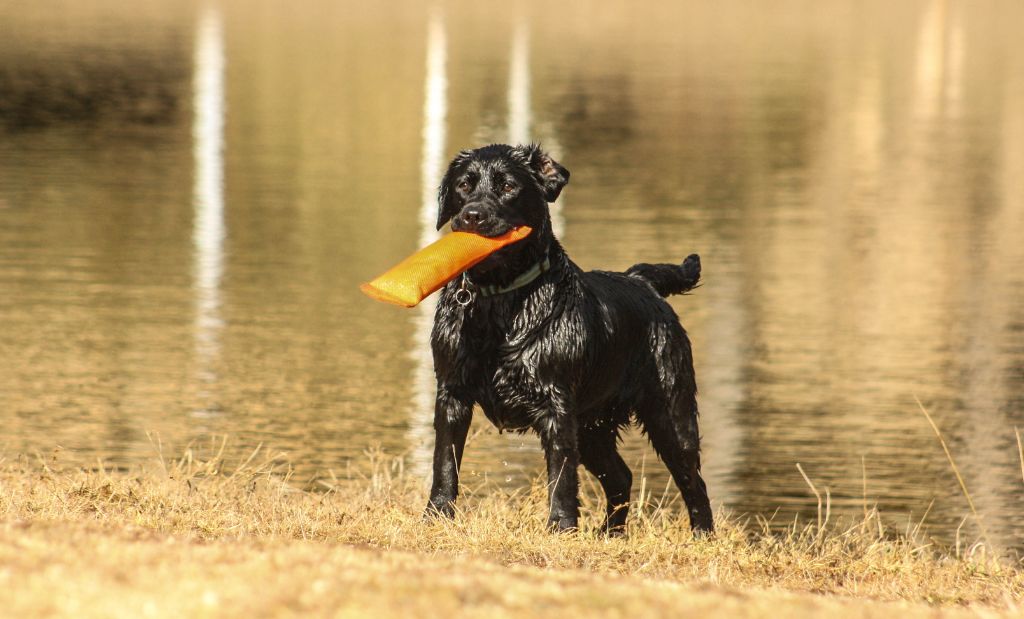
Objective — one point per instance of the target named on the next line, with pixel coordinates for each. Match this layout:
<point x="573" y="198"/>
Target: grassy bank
<point x="205" y="538"/>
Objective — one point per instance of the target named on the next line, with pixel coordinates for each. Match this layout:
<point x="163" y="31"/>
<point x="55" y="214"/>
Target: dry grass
<point x="203" y="539"/>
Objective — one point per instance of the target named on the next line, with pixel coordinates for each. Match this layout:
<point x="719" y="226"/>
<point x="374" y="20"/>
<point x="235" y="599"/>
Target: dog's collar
<point x="492" y="290"/>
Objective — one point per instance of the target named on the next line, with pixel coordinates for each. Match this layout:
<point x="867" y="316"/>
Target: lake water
<point x="190" y="194"/>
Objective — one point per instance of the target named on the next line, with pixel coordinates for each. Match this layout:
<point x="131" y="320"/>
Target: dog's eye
<point x="464" y="185"/>
<point x="508" y="187"/>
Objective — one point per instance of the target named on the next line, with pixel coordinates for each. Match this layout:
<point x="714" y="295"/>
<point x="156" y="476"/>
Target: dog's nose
<point x="472" y="216"/>
<point x="470" y="219"/>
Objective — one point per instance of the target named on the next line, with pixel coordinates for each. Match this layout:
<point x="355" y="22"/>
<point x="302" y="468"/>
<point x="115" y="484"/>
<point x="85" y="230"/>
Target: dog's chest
<point x="502" y="375"/>
<point x="503" y="361"/>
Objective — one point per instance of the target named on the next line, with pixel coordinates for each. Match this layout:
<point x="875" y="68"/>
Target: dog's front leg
<point x="452" y="416"/>
<point x="557" y="431"/>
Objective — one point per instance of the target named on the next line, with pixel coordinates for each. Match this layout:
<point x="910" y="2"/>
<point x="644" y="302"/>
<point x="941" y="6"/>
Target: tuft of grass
<point x="956" y="469"/>
<point x="200" y="536"/>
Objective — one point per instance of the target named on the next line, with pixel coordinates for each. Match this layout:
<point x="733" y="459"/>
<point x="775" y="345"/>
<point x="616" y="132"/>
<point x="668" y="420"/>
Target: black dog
<point x="540" y="344"/>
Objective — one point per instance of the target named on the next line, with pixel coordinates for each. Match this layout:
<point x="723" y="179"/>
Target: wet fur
<point x="574" y="356"/>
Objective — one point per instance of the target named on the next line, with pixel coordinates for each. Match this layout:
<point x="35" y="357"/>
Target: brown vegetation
<point x="202" y="538"/>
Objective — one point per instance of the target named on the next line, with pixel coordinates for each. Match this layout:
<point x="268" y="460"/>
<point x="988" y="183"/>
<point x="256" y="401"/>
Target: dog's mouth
<point x="486" y="228"/>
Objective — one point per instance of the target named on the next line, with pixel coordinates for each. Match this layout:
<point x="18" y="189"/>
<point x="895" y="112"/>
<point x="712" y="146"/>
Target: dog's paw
<point x="565" y="524"/>
<point x="703" y="530"/>
<point x="439" y="509"/>
<point x="613" y="530"/>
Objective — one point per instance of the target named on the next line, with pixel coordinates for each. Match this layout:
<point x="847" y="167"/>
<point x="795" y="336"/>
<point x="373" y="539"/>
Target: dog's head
<point x="493" y="189"/>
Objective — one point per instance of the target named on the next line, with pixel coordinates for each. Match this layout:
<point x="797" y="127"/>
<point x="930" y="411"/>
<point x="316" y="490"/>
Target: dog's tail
<point x="668" y="279"/>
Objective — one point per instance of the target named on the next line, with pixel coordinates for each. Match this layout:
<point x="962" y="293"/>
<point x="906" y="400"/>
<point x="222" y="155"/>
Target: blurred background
<point x="190" y="194"/>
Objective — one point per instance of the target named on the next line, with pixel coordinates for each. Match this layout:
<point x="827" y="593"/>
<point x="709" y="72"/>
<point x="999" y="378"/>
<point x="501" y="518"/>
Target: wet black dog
<point x="539" y="344"/>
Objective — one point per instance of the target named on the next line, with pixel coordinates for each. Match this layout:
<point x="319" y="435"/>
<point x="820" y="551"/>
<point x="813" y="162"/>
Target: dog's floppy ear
<point x="447" y="202"/>
<point x="551" y="175"/>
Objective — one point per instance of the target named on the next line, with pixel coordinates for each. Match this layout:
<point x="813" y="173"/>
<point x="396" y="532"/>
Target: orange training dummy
<point x="413" y="279"/>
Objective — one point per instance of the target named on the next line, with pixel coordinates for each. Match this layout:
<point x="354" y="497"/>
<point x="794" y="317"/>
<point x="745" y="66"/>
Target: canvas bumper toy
<point x="413" y="279"/>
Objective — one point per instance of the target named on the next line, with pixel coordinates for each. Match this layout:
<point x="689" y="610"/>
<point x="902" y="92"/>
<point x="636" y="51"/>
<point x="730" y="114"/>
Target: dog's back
<point x="638" y="347"/>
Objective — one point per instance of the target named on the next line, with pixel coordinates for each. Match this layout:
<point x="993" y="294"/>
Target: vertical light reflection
<point x="940" y="62"/>
<point x="435" y="112"/>
<point x="995" y="301"/>
<point x="720" y="381"/>
<point x="520" y="116"/>
<point x="954" y="84"/>
<point x="937" y="244"/>
<point x="519" y="87"/>
<point x="208" y="189"/>
<point x="930" y="58"/>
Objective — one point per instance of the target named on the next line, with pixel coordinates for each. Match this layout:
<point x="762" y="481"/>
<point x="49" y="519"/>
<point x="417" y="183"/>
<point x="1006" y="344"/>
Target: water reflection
<point x="208" y="197"/>
<point x="940" y="59"/>
<point x="849" y="173"/>
<point x="520" y="113"/>
<point x="435" y="112"/>
<point x="519" y="86"/>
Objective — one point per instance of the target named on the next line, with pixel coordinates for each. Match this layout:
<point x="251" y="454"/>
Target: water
<point x="190" y="194"/>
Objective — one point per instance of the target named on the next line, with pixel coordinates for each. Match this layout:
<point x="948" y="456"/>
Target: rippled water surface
<point x="190" y="194"/>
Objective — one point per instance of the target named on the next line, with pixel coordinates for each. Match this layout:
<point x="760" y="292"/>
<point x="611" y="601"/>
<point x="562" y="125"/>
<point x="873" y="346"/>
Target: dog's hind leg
<point x="599" y="454"/>
<point x="679" y="449"/>
<point x="452" y="416"/>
